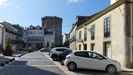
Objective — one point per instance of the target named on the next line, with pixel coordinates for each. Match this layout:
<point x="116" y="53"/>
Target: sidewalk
<point x="16" y="54"/>
<point x="63" y="68"/>
<point x="127" y="70"/>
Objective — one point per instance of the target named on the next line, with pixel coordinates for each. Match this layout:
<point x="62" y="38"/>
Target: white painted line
<point x="32" y="65"/>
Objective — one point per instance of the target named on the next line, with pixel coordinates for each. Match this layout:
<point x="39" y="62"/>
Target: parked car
<point x="56" y="51"/>
<point x="91" y="60"/>
<point x="44" y="50"/>
<point x="62" y="56"/>
<point x="28" y="49"/>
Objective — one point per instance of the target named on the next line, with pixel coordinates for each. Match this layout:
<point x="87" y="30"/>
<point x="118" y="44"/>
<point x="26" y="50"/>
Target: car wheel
<point x="54" y="58"/>
<point x="111" y="69"/>
<point x="71" y="66"/>
<point x="62" y="62"/>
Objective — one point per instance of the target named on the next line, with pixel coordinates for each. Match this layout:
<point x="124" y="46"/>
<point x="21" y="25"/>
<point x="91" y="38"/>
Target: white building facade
<point x="35" y="37"/>
<point x="48" y="39"/>
<point x="72" y="41"/>
<point x="7" y="31"/>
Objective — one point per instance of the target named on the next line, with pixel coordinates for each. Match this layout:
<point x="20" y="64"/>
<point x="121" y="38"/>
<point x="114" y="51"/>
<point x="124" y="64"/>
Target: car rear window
<point x="60" y="49"/>
<point x="67" y="52"/>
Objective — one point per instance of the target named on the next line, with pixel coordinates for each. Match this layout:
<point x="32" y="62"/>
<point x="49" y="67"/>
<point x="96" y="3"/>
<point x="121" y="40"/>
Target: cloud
<point x="2" y="2"/>
<point x="73" y="1"/>
<point x="6" y="4"/>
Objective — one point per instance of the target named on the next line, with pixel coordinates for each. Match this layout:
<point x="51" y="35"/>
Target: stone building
<point x="54" y="24"/>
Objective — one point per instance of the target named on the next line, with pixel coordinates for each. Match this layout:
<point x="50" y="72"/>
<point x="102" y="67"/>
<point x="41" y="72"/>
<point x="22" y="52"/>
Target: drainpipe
<point x="131" y="37"/>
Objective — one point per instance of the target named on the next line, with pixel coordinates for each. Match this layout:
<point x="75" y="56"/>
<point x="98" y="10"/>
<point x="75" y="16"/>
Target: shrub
<point x="8" y="50"/>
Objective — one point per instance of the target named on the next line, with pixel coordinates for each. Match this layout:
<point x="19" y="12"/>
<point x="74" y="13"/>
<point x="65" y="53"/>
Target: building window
<point x="92" y="32"/>
<point x="85" y="46"/>
<point x="79" y="47"/>
<point x="107" y="27"/>
<point x="85" y="34"/>
<point x="47" y="44"/>
<point x="80" y="34"/>
<point x="92" y="46"/>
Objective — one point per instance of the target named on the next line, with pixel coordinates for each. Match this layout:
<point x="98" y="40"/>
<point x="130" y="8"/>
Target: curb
<point x="2" y="64"/>
<point x="127" y="70"/>
<point x="22" y="54"/>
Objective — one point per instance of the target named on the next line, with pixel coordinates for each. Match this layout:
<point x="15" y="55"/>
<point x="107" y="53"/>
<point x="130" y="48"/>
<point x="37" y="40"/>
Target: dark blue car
<point x="62" y="56"/>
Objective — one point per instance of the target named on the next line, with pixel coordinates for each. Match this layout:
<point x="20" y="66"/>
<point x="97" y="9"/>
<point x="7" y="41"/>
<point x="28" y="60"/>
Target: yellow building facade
<point x="109" y="32"/>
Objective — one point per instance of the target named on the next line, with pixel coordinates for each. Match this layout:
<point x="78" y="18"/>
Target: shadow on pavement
<point x="21" y="68"/>
<point x="3" y="59"/>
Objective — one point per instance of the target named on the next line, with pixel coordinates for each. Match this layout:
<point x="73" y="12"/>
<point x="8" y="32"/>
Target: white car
<point x="91" y="60"/>
<point x="56" y="51"/>
<point x="44" y="50"/>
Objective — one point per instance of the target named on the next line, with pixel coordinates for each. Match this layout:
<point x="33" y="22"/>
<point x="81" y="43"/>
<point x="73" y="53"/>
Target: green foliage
<point x="8" y="50"/>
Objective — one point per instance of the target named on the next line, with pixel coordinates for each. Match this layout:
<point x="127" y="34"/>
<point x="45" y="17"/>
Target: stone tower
<point x="54" y="24"/>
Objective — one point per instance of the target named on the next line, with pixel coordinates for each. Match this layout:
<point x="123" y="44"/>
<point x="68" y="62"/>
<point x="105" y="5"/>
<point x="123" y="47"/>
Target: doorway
<point x="107" y="49"/>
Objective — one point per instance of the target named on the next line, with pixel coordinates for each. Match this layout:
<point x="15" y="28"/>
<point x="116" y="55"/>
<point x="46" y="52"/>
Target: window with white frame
<point x="107" y="27"/>
<point x="85" y="34"/>
<point x="92" y="32"/>
<point x="80" y="34"/>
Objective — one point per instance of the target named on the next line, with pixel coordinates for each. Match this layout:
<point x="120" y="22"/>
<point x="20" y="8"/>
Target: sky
<point x="29" y="12"/>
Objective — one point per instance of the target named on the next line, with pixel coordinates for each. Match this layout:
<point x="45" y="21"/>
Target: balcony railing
<point x="72" y="39"/>
<point x="107" y="34"/>
<point x="85" y="39"/>
<point x="17" y="42"/>
<point x="92" y="37"/>
<point x="79" y="40"/>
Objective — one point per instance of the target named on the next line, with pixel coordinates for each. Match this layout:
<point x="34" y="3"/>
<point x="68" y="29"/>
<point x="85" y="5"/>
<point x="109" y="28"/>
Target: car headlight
<point x="67" y="57"/>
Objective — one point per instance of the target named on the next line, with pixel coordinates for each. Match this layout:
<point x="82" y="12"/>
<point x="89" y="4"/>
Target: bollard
<point x="7" y="62"/>
<point x="13" y="59"/>
<point x="10" y="60"/>
<point x="2" y="64"/>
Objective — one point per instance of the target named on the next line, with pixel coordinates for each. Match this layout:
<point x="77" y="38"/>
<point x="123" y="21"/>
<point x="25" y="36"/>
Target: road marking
<point x="32" y="65"/>
<point x="63" y="68"/>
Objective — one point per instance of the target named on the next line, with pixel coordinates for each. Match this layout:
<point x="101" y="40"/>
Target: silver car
<point x="56" y="51"/>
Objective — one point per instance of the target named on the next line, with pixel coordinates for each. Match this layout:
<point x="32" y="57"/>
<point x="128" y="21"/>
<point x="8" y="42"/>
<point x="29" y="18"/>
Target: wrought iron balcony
<point x="92" y="37"/>
<point x="106" y="34"/>
<point x="79" y="40"/>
